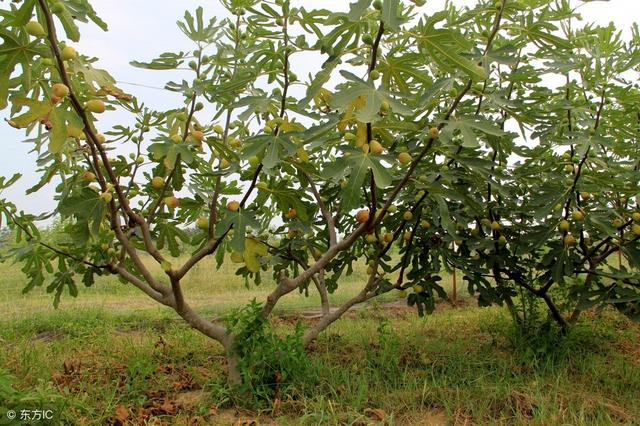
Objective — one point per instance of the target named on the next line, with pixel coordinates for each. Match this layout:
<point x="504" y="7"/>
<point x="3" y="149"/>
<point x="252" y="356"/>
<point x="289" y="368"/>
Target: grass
<point x="111" y="354"/>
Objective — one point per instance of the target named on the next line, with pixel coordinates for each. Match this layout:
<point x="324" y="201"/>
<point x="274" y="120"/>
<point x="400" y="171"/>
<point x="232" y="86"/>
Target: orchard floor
<point x="111" y="357"/>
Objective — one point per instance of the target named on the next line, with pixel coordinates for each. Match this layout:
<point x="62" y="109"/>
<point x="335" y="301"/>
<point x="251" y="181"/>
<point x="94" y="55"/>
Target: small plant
<point x="268" y="364"/>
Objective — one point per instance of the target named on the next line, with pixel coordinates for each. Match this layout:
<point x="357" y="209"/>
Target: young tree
<point x="402" y="137"/>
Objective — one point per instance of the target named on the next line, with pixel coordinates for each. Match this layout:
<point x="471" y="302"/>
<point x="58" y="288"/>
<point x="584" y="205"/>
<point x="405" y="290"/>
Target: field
<point x="111" y="356"/>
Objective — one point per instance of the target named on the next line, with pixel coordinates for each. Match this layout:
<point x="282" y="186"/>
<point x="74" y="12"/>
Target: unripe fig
<point x="495" y="226"/>
<point x="367" y="39"/>
<point x="577" y="215"/>
<point x="418" y="289"/>
<point x="254" y="161"/>
<point x="203" y="223"/>
<point x="425" y="224"/>
<point x="68" y="53"/>
<point x="157" y="182"/>
<point x="371" y="238"/>
<point x="407" y="216"/>
<point x="96" y="106"/>
<point x="375" y="74"/>
<point x="106" y="197"/>
<point x="569" y="240"/>
<point x="376" y="147"/>
<point x="60" y="90"/>
<point x="88" y="176"/>
<point x="392" y="208"/>
<point x="349" y="136"/>
<point x="618" y="223"/>
<point x="636" y="229"/>
<point x="564" y="226"/>
<point x="198" y="135"/>
<point x="34" y="28"/>
<point x="377" y="4"/>
<point x="171" y="202"/>
<point x="404" y="158"/>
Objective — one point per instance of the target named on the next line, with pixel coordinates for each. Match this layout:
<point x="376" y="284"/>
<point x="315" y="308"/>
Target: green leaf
<point x="38" y="110"/>
<point x="443" y="47"/>
<point x="58" y="134"/>
<point x="166" y="61"/>
<point x="16" y="49"/>
<point x="169" y="235"/>
<point x="81" y="10"/>
<point x="357" y="9"/>
<point x="254" y="250"/>
<point x="89" y="211"/>
<point x="359" y="165"/>
<point x="389" y="14"/>
<point x="371" y="96"/>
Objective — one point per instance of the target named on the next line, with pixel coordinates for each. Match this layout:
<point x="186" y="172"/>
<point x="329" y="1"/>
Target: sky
<point x="140" y="32"/>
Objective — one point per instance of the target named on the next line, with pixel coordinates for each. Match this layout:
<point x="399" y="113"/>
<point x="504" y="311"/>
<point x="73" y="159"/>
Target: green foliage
<point x="269" y="364"/>
<point x="493" y="123"/>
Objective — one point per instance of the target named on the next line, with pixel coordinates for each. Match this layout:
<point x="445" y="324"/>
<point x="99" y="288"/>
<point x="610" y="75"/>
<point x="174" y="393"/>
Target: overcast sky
<point x="139" y="31"/>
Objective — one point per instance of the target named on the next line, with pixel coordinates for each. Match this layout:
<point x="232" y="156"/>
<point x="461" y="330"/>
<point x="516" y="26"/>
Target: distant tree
<point x="403" y="136"/>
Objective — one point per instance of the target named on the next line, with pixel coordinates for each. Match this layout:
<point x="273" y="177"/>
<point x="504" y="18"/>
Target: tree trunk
<point x="233" y="373"/>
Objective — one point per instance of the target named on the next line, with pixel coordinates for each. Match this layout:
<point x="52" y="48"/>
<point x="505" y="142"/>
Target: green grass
<point x="112" y="348"/>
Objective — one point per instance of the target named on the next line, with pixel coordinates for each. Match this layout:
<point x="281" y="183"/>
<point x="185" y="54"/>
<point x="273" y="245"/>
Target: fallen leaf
<point x="122" y="413"/>
<point x="376" y="413"/>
